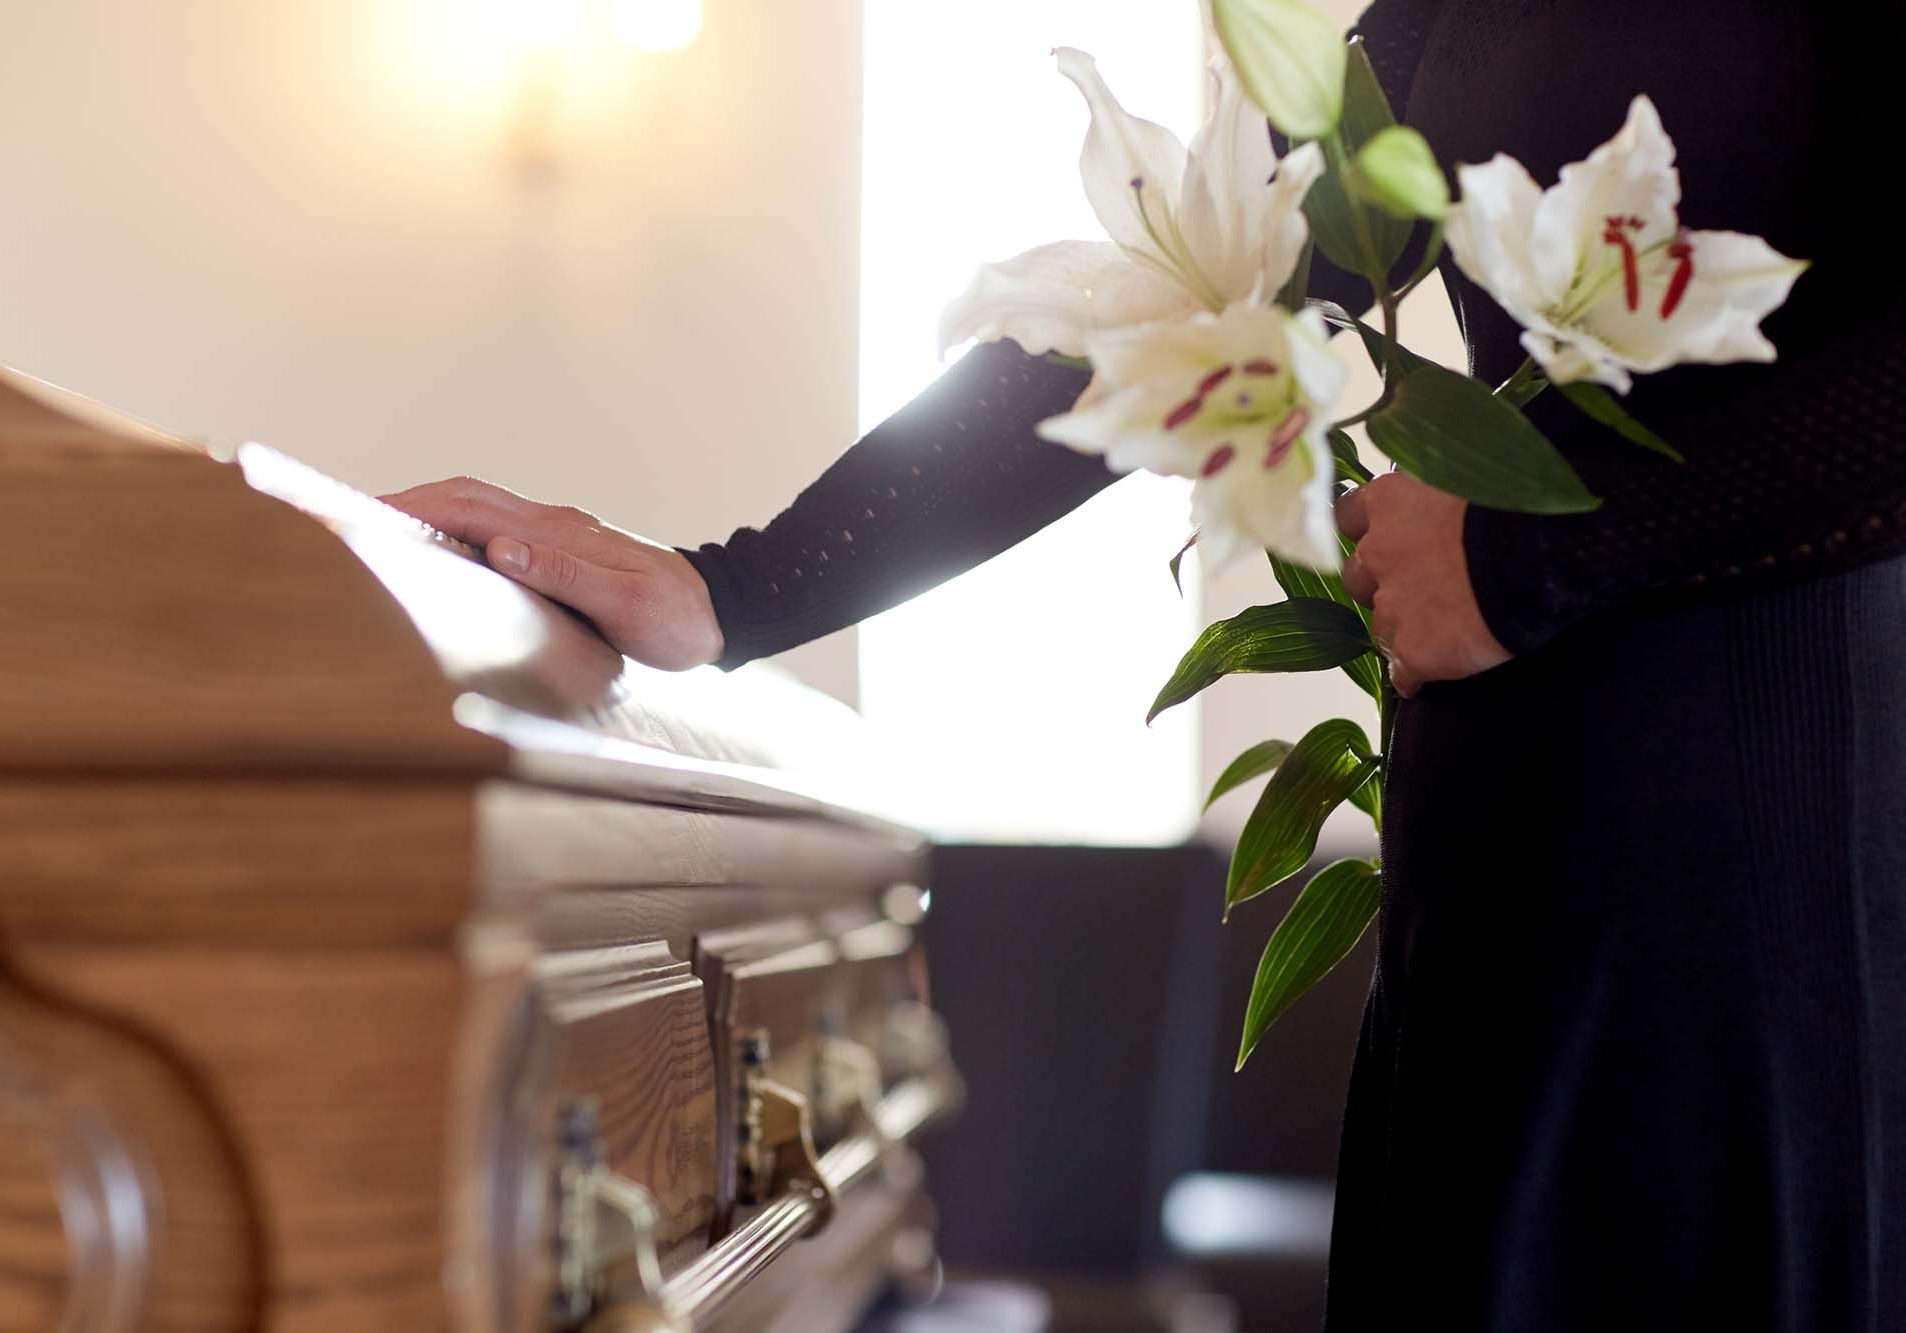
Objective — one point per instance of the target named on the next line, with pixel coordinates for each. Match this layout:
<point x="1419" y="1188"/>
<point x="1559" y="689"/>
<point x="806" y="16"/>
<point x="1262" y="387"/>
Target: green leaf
<point x="1290" y="59"/>
<point x="1319" y="931"/>
<point x="1600" y="404"/>
<point x="1302" y="581"/>
<point x="1300" y="635"/>
<point x="1450" y="431"/>
<point x="1179" y="559"/>
<point x="1369" y="799"/>
<point x="1349" y="463"/>
<point x="1331" y="761"/>
<point x="1375" y="341"/>
<point x="1398" y="173"/>
<point x="1366" y="112"/>
<point x="1259" y="759"/>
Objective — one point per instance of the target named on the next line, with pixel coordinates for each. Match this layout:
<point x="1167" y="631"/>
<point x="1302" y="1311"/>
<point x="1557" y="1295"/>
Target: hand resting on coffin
<point x="645" y="599"/>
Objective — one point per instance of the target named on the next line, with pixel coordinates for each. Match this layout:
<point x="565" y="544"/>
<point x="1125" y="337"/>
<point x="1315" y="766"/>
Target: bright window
<point x="1019" y="690"/>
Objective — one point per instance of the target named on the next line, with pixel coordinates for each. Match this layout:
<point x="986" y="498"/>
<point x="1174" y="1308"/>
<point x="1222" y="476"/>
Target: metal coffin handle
<point x="617" y="1265"/>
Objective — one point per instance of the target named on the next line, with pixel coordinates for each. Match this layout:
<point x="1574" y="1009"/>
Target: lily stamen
<point x="1286" y="435"/>
<point x="1682" y="252"/>
<point x="1615" y="232"/>
<point x="1184" y="412"/>
<point x="1220" y="459"/>
<point x="1214" y="379"/>
<point x="1176" y="254"/>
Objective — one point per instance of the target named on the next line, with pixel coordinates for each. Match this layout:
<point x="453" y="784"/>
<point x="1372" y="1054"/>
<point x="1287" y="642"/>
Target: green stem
<point x="1432" y="252"/>
<point x="1061" y="359"/>
<point x="1523" y="386"/>
<point x="1339" y="159"/>
<point x="1379" y="281"/>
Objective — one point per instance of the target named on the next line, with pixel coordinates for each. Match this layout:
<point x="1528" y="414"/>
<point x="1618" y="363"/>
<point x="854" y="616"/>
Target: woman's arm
<point x="950" y="480"/>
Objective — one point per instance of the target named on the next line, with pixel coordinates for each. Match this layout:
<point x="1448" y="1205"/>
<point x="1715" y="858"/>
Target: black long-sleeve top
<point x="1793" y="469"/>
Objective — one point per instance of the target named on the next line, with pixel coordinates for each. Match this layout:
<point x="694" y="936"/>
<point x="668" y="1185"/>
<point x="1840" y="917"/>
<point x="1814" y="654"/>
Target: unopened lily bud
<point x="1290" y="59"/>
<point x="1397" y="172"/>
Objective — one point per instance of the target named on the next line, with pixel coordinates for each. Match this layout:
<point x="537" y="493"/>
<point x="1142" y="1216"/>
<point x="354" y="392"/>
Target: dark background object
<point x="1095" y="1001"/>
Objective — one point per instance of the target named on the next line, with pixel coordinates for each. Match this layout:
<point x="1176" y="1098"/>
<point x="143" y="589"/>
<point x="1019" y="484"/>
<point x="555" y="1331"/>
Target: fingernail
<point x="508" y="554"/>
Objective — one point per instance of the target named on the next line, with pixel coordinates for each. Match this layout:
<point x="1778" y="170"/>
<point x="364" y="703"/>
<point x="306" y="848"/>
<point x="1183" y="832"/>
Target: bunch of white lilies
<point x="1209" y="362"/>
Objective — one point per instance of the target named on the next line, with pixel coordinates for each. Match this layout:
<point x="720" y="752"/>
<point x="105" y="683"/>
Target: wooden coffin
<point x="380" y="951"/>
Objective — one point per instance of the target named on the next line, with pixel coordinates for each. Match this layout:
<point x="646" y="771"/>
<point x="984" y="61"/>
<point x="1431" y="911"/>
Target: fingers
<point x="461" y="506"/>
<point x="606" y="596"/>
<point x="1353" y="514"/>
<point x="1358" y="581"/>
<point x="478" y="513"/>
<point x="1405" y="680"/>
<point x="1383" y="635"/>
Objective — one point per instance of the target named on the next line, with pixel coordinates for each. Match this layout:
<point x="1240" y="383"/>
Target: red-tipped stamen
<point x="1260" y="366"/>
<point x="1615" y="232"/>
<point x="1184" y="412"/>
<point x="1286" y="435"/>
<point x="1214" y="379"/>
<point x="1682" y="253"/>
<point x="1220" y="459"/>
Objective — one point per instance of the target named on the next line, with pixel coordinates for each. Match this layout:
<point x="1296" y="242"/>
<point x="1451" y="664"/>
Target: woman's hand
<point x="1410" y="570"/>
<point x="645" y="599"/>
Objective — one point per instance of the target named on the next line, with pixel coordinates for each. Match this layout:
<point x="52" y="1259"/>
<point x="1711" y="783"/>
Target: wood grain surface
<point x="303" y="945"/>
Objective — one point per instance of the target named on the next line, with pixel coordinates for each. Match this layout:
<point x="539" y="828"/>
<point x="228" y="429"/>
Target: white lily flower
<point x="1241" y="401"/>
<point x="1189" y="231"/>
<point x="1599" y="271"/>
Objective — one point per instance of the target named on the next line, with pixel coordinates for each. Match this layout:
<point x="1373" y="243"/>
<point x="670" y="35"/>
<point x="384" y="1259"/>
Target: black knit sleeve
<point x="949" y="481"/>
<point x="1793" y="470"/>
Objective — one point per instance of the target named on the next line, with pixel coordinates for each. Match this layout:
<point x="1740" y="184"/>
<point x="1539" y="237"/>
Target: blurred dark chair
<point x="1094" y="1000"/>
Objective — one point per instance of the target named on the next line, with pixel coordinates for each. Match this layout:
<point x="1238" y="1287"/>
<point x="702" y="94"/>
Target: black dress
<point x="1634" y="1055"/>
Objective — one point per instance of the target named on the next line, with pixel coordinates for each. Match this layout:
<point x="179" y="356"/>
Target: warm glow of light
<point x="658" y="25"/>
<point x="1022" y="684"/>
<point x="541" y="24"/>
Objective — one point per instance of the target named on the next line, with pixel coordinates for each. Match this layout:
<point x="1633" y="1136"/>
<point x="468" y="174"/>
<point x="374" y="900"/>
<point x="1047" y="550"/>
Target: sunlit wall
<point x="407" y="238"/>
<point x="1026" y="681"/>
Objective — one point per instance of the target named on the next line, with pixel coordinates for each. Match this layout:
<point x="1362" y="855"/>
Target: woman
<point x="1635" y="1052"/>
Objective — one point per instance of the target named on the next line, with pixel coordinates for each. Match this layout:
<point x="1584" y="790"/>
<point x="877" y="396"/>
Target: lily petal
<point x="1287" y="509"/>
<point x="1239" y="401"/>
<point x="1631" y="176"/>
<point x="1571" y="356"/>
<point x="1735" y="282"/>
<point x="1221" y="212"/>
<point x="1488" y="233"/>
<point x="1124" y="425"/>
<point x="1285" y="229"/>
<point x="1320" y="374"/>
<point x="1052" y="298"/>
<point x="1132" y="168"/>
<point x="1599" y="272"/>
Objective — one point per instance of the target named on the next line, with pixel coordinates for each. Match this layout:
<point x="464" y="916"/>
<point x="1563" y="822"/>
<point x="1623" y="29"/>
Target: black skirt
<point x="1634" y="1056"/>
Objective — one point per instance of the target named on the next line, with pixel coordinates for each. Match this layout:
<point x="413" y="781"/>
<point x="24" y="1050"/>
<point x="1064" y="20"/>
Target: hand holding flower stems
<point x="1209" y="363"/>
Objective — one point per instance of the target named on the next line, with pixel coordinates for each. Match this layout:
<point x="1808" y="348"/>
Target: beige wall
<point x="310" y="222"/>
